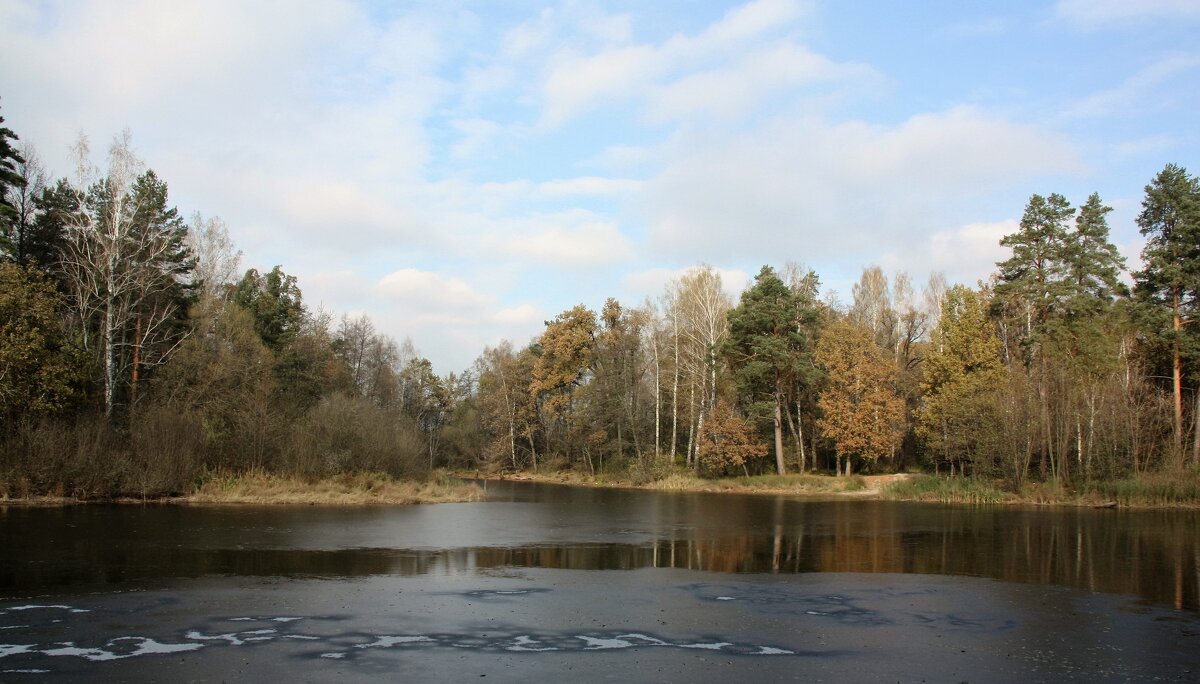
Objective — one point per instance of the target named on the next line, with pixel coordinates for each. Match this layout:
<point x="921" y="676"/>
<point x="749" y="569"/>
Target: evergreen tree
<point x="276" y="303"/>
<point x="768" y="348"/>
<point x="1035" y="276"/>
<point x="10" y="179"/>
<point x="1169" y="286"/>
<point x="1093" y="263"/>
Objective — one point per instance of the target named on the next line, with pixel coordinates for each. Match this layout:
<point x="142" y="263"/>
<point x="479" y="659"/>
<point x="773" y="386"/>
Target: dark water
<point x="1154" y="555"/>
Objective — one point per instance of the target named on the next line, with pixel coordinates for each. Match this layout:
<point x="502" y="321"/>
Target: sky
<point x="461" y="172"/>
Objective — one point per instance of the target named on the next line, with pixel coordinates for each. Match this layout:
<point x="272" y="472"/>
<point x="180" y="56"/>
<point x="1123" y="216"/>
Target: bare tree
<point x="121" y="267"/>
<point x="218" y="260"/>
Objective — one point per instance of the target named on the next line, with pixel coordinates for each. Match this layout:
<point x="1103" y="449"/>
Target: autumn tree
<point x="862" y="413"/>
<point x="561" y="364"/>
<point x="962" y="373"/>
<point x="727" y="443"/>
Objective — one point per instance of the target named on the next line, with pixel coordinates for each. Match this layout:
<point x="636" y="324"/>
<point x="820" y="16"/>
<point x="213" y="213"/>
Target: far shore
<point x="891" y="487"/>
<point x="367" y="489"/>
<point x="268" y="489"/>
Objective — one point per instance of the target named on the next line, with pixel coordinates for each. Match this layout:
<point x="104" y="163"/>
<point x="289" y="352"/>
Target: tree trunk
<point x="137" y="348"/>
<point x="657" y="403"/>
<point x="779" y="464"/>
<point x="110" y="356"/>
<point x="800" y="434"/>
<point x="675" y="391"/>
<point x="1177" y="373"/>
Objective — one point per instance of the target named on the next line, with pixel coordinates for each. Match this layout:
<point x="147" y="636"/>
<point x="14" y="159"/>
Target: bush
<point x="1158" y="489"/>
<point x="343" y="434"/>
<point x="167" y="453"/>
<point x="946" y="490"/>
<point x="83" y="458"/>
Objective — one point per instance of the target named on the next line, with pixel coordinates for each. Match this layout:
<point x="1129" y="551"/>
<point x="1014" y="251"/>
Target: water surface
<point x="549" y="575"/>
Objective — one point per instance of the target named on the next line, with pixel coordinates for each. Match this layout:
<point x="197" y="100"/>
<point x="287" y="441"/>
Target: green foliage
<point x="38" y="368"/>
<point x="961" y="377"/>
<point x="275" y="302"/>
<point x="946" y="490"/>
<point x="770" y="347"/>
<point x="1159" y="489"/>
<point x="9" y="178"/>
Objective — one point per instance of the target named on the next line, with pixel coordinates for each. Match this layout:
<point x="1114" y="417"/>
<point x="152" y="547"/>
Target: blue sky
<point x="462" y="172"/>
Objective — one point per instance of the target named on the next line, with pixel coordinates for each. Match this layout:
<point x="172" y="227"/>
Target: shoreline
<point x="375" y="489"/>
<point x="364" y="489"/>
<point x="891" y="487"/>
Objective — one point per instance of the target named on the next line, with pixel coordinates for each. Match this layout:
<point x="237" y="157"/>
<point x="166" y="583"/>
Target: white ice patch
<point x="334" y="656"/>
<point x="30" y="671"/>
<point x="600" y="643"/>
<point x="14" y="649"/>
<point x="234" y="638"/>
<point x="304" y="637"/>
<point x="14" y="627"/>
<point x="389" y="641"/>
<point x="41" y="607"/>
<point x="715" y="646"/>
<point x="527" y="644"/>
<point x="726" y="598"/>
<point x="145" y="646"/>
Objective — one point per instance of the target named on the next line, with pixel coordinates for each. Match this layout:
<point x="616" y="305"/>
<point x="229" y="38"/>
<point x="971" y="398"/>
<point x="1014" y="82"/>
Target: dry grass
<point x="684" y="480"/>
<point x="359" y="488"/>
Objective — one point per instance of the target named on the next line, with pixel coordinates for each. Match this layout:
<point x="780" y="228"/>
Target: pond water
<point x="541" y="579"/>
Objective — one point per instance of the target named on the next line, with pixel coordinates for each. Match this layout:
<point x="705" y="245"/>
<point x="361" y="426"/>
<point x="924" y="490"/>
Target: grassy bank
<point x="1181" y="490"/>
<point x="682" y="480"/>
<point x="1159" y="490"/>
<point x="268" y="488"/>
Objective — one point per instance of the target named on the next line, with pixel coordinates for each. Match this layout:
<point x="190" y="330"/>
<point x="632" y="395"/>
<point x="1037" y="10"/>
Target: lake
<point x="545" y="581"/>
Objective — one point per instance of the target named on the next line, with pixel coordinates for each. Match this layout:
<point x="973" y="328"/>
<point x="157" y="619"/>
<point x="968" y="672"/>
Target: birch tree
<point x="125" y="262"/>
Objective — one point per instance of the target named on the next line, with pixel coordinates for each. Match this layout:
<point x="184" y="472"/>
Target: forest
<point x="138" y="358"/>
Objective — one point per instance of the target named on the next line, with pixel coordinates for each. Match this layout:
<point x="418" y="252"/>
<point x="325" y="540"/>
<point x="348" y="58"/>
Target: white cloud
<point x="431" y="292"/>
<point x="583" y="243"/>
<point x="1132" y="96"/>
<point x="971" y="252"/>
<point x="739" y="87"/>
<point x="524" y="313"/>
<point x="1096" y="13"/>
<point x="805" y="189"/>
<point x="653" y="282"/>
<point x="710" y="71"/>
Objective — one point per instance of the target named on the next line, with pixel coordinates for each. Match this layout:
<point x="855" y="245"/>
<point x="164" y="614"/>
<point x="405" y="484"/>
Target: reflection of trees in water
<point x="1155" y="555"/>
<point x="1144" y="554"/>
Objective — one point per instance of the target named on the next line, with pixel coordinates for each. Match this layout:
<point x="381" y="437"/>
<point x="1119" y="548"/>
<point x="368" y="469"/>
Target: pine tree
<point x="1169" y="286"/>
<point x="767" y="348"/>
<point x="9" y="177"/>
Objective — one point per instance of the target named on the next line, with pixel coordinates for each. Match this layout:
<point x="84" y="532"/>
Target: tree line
<point x="136" y="356"/>
<point x="1062" y="367"/>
